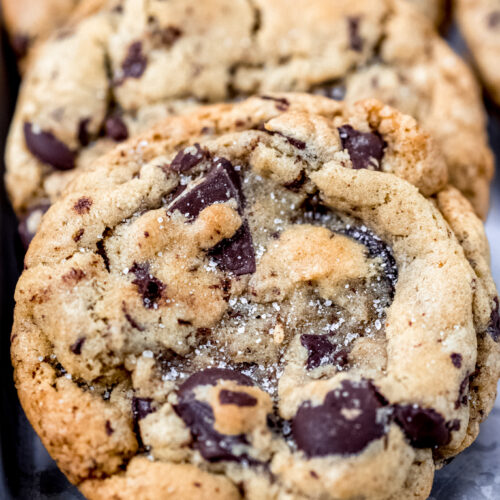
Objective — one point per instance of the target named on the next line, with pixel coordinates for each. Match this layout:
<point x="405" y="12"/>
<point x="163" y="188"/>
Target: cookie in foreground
<point x="117" y="72"/>
<point x="278" y="298"/>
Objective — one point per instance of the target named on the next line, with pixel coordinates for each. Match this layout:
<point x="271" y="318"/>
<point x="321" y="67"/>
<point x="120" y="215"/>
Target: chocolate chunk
<point x="221" y="184"/>
<point x="282" y="104"/>
<point x="297" y="183"/>
<point x="322" y="352"/>
<point x="187" y="159"/>
<point x="236" y="398"/>
<point x="135" y="62"/>
<point x="167" y="36"/>
<point x="424" y="427"/>
<point x="78" y="235"/>
<point x="377" y="248"/>
<point x="494" y="326"/>
<point x="236" y="254"/>
<point x="456" y="359"/>
<point x="48" y="149"/>
<point x="20" y="43"/>
<point x="366" y="149"/>
<point x="76" y="348"/>
<point x="28" y="224"/>
<point x="148" y="286"/>
<point x="83" y="133"/>
<point x="199" y="417"/>
<point x="82" y="206"/>
<point x="493" y="19"/>
<point x="333" y="90"/>
<point x="354" y="37"/>
<point x="116" y="128"/>
<point x="141" y="408"/>
<point x="344" y="424"/>
<point x="462" y="392"/>
<point x="211" y="376"/>
<point x="101" y="249"/>
<point x="109" y="429"/>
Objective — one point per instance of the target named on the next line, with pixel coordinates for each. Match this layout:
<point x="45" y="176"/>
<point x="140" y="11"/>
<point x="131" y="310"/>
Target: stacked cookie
<point x="283" y="295"/>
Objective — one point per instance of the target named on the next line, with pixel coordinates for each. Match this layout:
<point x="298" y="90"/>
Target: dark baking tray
<point x="26" y="469"/>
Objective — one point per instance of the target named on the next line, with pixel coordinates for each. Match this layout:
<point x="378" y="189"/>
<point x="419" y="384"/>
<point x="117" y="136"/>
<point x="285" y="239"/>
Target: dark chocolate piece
<point x="424" y="427"/>
<point x="322" y="352"/>
<point x="199" y="417"/>
<point x="366" y="149"/>
<point x="135" y="62"/>
<point x="186" y="160"/>
<point x="346" y="422"/>
<point x="48" y="149"/>
<point x="148" y="286"/>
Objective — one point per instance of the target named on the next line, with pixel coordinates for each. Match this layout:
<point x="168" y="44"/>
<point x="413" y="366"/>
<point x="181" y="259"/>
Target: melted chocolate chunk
<point x="116" y="128"/>
<point x="221" y="184"/>
<point x="354" y="37"/>
<point x="344" y="424"/>
<point x="424" y="427"/>
<point x="377" y="248"/>
<point x="366" y="149"/>
<point x="456" y="359"/>
<point x="494" y="326"/>
<point x="25" y="228"/>
<point x="322" y="352"/>
<point x="48" y="149"/>
<point x="141" y="408"/>
<point x="199" y="417"/>
<point x="282" y="104"/>
<point x="135" y="62"/>
<point x="76" y="348"/>
<point x="186" y="160"/>
<point x="236" y="398"/>
<point x="236" y="254"/>
<point x="148" y="286"/>
<point x="83" y="133"/>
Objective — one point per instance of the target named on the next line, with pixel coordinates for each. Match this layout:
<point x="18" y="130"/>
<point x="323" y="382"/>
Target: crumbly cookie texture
<point x="479" y="22"/>
<point x="117" y="72"/>
<point x="254" y="300"/>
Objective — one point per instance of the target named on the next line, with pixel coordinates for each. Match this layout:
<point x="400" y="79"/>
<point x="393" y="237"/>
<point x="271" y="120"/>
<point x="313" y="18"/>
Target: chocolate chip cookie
<point x="479" y="22"/>
<point x="278" y="298"/>
<point x="120" y="70"/>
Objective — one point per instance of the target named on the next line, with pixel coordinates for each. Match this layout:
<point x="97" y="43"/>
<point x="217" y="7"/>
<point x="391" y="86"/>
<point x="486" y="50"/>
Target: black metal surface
<point x="26" y="470"/>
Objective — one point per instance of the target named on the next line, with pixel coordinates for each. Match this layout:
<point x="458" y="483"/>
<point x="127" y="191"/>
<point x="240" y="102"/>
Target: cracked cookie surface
<point x="116" y="72"/>
<point x="253" y="300"/>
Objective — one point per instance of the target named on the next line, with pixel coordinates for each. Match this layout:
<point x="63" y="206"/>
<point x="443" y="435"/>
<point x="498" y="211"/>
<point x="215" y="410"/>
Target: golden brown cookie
<point x="278" y="298"/>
